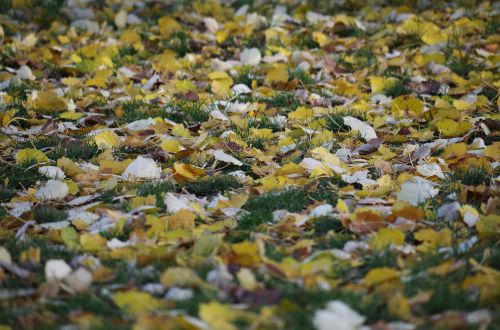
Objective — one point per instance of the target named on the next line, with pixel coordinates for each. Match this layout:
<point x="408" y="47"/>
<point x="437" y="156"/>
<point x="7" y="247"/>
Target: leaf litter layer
<point x="249" y="164"/>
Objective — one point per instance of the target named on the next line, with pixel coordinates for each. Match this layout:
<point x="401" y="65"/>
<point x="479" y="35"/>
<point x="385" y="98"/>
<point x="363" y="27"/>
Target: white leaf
<point x="337" y="316"/>
<point x="5" y="256"/>
<point x="176" y="293"/>
<point x="141" y="167"/>
<point x="52" y="172"/>
<point x="223" y="157"/>
<point x="80" y="280"/>
<point x="56" y="269"/>
<point x="141" y="124"/>
<point x="211" y="24"/>
<point x="250" y="56"/>
<point x="24" y="72"/>
<point x="241" y="89"/>
<point x="321" y="210"/>
<point x="417" y="190"/>
<point x="52" y="190"/>
<point x="365" y="130"/>
<point x="217" y="114"/>
<point x="121" y="19"/>
<point x="432" y="169"/>
<point x="176" y="203"/>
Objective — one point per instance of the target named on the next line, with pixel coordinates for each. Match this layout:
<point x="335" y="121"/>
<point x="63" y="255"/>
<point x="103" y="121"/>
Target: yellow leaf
<point x="277" y="73"/>
<point x="447" y="127"/>
<point x="247" y="279"/>
<point x="489" y="225"/>
<point x="302" y="114"/>
<point x="107" y="139"/>
<point x="379" y="84"/>
<point x="183" y="219"/>
<point x="404" y="105"/>
<point x="320" y="38"/>
<point x="380" y="275"/>
<point x="136" y="302"/>
<point x="386" y="152"/>
<point x="221" y="82"/>
<point x="71" y="115"/>
<point x="69" y="167"/>
<point x="493" y="151"/>
<point x="246" y="253"/>
<point x="166" y="62"/>
<point x="456" y="150"/>
<point x="110" y="166"/>
<point x="92" y="243"/>
<point x="385" y="237"/>
<point x="432" y="239"/>
<point x="171" y="146"/>
<point x="185" y="85"/>
<point x="100" y="78"/>
<point x="399" y="306"/>
<point x="30" y="155"/>
<point x="221" y="36"/>
<point x="168" y="25"/>
<point x="342" y="206"/>
<point x="46" y="102"/>
<point x="72" y="186"/>
<point x="188" y="171"/>
<point x="179" y="276"/>
<point x="219" y="316"/>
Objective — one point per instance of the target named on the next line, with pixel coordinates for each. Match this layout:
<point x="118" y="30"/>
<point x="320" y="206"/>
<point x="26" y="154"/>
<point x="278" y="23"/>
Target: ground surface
<point x="219" y="166"/>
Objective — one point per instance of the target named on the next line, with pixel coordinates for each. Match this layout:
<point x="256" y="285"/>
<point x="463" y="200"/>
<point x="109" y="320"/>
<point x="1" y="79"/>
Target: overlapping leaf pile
<point x="249" y="165"/>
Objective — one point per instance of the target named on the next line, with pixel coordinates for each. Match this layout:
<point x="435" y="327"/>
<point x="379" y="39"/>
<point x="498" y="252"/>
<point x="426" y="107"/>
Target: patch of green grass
<point x="491" y="93"/>
<point x="363" y="58"/>
<point x="472" y="176"/>
<point x="302" y="76"/>
<point x="335" y="122"/>
<point x="246" y="75"/>
<point x="191" y="113"/>
<point x="398" y="87"/>
<point x="125" y="55"/>
<point x="306" y="41"/>
<point x="262" y="207"/>
<point x="462" y="65"/>
<point x="48" y="250"/>
<point x="84" y="302"/>
<point x="18" y="90"/>
<point x="246" y="135"/>
<point x="156" y="188"/>
<point x="213" y="185"/>
<point x="6" y="194"/>
<point x="334" y="241"/>
<point x="324" y="224"/>
<point x="46" y="213"/>
<point x="386" y="258"/>
<point x="298" y="305"/>
<point x="137" y="110"/>
<point x="264" y="122"/>
<point x="74" y="149"/>
<point x="281" y="100"/>
<point x="80" y="150"/>
<point x="48" y="11"/>
<point x="86" y="65"/>
<point x="21" y="175"/>
<point x="350" y="31"/>
<point x="326" y="189"/>
<point x="177" y="42"/>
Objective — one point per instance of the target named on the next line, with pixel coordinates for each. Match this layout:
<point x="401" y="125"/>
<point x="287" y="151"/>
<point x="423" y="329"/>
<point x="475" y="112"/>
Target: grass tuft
<point x="261" y="208"/>
<point x="213" y="185"/>
<point x="46" y="213"/>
